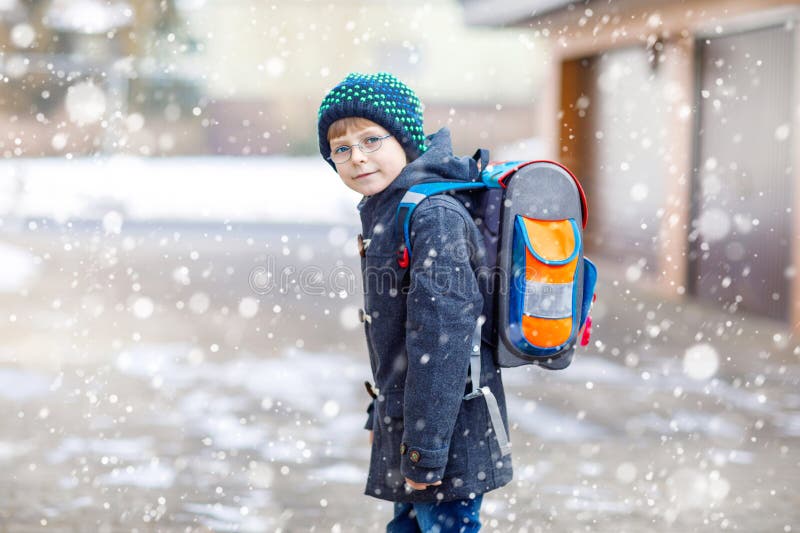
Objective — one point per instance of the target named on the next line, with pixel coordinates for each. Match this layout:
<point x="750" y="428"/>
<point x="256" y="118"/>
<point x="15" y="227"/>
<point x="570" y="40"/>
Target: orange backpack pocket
<point x="543" y="310"/>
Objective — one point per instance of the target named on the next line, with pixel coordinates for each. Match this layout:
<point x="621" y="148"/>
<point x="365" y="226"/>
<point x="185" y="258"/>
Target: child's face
<point x="369" y="173"/>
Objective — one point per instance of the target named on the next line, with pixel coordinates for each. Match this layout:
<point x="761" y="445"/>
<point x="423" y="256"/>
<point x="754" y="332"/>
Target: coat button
<point x="361" y="315"/>
<point x="414" y="456"/>
<point x="403" y="448"/>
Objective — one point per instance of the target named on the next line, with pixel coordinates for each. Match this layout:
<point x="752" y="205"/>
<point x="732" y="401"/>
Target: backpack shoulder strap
<point x="412" y="198"/>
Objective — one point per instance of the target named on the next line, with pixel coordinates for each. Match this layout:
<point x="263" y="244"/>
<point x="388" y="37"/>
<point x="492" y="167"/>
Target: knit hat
<point x="381" y="98"/>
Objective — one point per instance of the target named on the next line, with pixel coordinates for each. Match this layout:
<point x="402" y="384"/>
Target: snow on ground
<point x="19" y="268"/>
<point x="271" y="189"/>
<point x="304" y="380"/>
<point x="22" y="385"/>
<point x="201" y="404"/>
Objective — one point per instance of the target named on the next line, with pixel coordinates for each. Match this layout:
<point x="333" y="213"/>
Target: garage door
<point x="742" y="191"/>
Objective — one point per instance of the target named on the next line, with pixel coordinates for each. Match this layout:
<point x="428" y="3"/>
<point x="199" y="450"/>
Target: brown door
<point x="741" y="228"/>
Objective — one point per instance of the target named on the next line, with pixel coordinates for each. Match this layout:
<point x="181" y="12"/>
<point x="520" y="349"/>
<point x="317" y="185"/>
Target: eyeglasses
<point x="367" y="146"/>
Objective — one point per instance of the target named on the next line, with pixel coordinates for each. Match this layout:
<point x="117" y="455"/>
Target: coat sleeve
<point x="443" y="305"/>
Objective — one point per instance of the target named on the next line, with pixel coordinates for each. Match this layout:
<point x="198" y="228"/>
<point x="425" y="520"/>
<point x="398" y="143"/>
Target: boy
<point x="433" y="453"/>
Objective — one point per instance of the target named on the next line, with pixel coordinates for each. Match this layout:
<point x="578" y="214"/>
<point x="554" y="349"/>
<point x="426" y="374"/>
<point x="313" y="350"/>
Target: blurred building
<point x="266" y="67"/>
<point x="88" y="76"/>
<point x="681" y="118"/>
<point x="244" y="77"/>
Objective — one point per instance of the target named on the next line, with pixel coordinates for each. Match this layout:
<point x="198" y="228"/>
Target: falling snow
<point x="182" y="311"/>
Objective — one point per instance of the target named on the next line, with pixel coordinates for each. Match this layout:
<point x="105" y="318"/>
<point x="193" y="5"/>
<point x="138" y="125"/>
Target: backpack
<point x="540" y="286"/>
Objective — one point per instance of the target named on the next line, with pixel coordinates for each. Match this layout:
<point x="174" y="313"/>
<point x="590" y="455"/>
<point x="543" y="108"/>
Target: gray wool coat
<point x="419" y="322"/>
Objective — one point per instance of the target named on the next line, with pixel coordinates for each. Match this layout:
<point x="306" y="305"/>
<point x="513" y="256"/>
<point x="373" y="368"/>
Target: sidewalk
<point x="633" y="315"/>
<point x="188" y="404"/>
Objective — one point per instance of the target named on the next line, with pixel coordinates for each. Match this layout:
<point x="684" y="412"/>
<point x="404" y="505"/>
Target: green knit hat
<point x="381" y="98"/>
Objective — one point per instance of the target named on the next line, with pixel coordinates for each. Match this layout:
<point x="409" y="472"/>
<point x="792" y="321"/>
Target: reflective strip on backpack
<point x="548" y="300"/>
<point x="411" y="197"/>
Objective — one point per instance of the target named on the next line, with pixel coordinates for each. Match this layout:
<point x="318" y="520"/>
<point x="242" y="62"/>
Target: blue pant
<point x="458" y="516"/>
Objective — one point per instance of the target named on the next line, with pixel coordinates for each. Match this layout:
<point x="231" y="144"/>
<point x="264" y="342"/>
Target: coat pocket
<point x="457" y="458"/>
